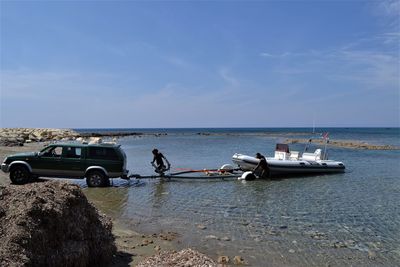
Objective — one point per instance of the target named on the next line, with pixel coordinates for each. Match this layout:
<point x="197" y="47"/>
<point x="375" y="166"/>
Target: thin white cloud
<point x="391" y="38"/>
<point x="227" y="76"/>
<point x="388" y="12"/>
<point x="389" y="7"/>
<point x="178" y="62"/>
<point x="372" y="62"/>
<point x="28" y="84"/>
<point x="173" y="105"/>
<point x="269" y="55"/>
<point x="373" y="68"/>
<point x="388" y="41"/>
<point x="85" y="100"/>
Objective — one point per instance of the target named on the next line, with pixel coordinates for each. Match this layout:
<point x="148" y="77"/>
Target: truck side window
<point x="102" y="153"/>
<point x="72" y="152"/>
<point x="57" y="151"/>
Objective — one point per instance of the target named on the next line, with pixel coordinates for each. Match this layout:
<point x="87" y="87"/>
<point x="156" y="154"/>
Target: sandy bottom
<point x="133" y="247"/>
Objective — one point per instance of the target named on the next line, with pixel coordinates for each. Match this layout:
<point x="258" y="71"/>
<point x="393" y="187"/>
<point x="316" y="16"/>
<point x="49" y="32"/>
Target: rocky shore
<point x="344" y="144"/>
<point x="20" y="136"/>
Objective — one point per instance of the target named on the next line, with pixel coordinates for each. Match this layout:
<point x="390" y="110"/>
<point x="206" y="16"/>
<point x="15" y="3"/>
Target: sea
<point x="344" y="219"/>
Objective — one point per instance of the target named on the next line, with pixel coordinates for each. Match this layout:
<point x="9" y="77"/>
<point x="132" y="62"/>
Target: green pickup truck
<point x="97" y="162"/>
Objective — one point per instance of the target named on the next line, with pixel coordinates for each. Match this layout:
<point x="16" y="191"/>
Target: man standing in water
<point x="160" y="166"/>
<point x="262" y="166"/>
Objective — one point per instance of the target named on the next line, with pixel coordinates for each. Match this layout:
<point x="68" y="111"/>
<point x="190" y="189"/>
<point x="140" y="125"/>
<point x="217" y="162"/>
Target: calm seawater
<point x="348" y="219"/>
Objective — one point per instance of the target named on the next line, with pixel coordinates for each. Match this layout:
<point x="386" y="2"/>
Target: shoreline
<point x="20" y="136"/>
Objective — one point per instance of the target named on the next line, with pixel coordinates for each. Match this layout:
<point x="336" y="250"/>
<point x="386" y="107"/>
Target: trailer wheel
<point x="248" y="176"/>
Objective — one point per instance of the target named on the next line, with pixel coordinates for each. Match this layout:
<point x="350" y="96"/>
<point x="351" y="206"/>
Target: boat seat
<point x="313" y="156"/>
<point x="318" y="153"/>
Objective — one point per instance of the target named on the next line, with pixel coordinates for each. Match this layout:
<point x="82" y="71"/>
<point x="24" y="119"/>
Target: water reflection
<point x="114" y="199"/>
<point x="159" y="192"/>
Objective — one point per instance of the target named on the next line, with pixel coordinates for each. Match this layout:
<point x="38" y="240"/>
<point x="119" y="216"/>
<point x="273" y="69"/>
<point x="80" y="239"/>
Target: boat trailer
<point x="181" y="175"/>
<point x="226" y="171"/>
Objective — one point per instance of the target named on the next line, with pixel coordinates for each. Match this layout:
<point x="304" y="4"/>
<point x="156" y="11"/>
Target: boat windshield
<point x="282" y="148"/>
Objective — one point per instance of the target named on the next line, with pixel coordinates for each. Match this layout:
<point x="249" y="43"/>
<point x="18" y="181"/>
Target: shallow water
<point x="344" y="219"/>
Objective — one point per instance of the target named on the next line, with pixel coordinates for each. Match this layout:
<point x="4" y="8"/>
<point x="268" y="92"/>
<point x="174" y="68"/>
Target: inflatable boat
<point x="291" y="162"/>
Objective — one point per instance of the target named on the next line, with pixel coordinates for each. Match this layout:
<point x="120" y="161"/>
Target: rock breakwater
<point x="19" y="136"/>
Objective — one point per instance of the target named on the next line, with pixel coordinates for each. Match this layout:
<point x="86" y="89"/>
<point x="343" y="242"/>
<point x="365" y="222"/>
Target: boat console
<point x="282" y="152"/>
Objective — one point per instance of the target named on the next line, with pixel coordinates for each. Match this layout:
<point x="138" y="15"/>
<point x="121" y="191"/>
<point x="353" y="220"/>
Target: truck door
<point x="48" y="162"/>
<point x="73" y="163"/>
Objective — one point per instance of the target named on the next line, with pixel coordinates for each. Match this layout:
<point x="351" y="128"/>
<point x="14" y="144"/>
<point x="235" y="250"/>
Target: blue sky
<point x="84" y="64"/>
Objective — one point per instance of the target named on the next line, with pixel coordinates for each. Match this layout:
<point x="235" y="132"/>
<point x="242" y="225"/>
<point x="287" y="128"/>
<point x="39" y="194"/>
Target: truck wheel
<point x="96" y="179"/>
<point x="19" y="175"/>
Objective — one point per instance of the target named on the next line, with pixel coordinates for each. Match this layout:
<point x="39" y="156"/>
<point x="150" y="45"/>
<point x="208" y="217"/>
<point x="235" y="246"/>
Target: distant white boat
<point x="291" y="162"/>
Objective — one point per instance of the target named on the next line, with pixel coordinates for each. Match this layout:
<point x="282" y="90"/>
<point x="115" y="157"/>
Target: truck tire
<point x="97" y="179"/>
<point x="20" y="175"/>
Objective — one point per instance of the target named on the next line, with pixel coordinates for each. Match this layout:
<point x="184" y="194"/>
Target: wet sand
<point x="132" y="246"/>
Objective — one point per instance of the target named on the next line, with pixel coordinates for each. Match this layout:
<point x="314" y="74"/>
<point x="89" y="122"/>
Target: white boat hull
<point x="288" y="166"/>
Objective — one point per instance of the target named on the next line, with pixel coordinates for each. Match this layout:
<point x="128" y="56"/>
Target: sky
<point x="173" y="64"/>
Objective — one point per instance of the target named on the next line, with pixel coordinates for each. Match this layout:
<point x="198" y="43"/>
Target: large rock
<point x="52" y="224"/>
<point x="10" y="141"/>
<point x="7" y="135"/>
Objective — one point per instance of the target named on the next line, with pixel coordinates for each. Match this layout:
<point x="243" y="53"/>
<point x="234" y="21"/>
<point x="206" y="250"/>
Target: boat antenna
<point x="313" y="128"/>
<point x="326" y="139"/>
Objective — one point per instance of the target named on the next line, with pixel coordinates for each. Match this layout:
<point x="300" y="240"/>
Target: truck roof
<point x="76" y="144"/>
